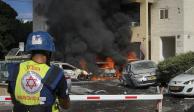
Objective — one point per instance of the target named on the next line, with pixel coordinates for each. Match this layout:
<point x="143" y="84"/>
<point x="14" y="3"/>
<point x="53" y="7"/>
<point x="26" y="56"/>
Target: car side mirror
<point x="130" y="73"/>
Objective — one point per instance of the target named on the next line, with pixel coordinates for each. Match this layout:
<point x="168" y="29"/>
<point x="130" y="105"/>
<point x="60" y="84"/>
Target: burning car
<point x="107" y="70"/>
<point x="139" y="73"/>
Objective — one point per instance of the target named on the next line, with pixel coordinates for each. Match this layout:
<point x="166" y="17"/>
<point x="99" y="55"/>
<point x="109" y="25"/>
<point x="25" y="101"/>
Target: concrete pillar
<point x="144" y="26"/>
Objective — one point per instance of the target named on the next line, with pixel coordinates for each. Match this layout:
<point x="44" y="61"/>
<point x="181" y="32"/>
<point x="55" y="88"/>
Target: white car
<point x="71" y="70"/>
<point x="182" y="84"/>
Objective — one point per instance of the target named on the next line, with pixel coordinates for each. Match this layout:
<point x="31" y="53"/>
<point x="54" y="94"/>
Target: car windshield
<point x="190" y="71"/>
<point x="68" y="67"/>
<point x="143" y="65"/>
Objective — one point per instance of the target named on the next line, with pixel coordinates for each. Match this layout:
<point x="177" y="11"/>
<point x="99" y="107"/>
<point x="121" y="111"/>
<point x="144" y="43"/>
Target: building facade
<point x="168" y="28"/>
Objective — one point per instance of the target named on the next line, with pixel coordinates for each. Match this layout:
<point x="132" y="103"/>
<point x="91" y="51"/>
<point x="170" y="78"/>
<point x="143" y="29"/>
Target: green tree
<point x="12" y="30"/>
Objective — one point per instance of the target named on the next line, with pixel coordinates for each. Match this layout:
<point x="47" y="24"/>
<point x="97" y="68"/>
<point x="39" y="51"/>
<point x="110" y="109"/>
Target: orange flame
<point x="107" y="63"/>
<point x="110" y="64"/>
<point x="132" y="56"/>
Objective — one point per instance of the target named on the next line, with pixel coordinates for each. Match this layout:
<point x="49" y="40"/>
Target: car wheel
<point x="80" y="77"/>
<point x="123" y="82"/>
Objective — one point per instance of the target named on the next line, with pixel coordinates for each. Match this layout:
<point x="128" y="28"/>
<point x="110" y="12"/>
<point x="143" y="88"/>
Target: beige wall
<point x="136" y="34"/>
<point x="188" y="43"/>
<point x="173" y="26"/>
<point x="188" y="25"/>
<point x="144" y="25"/>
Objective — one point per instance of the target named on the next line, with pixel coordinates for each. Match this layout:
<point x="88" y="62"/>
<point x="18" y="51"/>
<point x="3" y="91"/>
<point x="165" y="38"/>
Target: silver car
<point x="182" y="84"/>
<point x="139" y="73"/>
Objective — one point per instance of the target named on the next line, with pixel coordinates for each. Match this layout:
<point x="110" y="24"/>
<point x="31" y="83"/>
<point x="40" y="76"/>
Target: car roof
<point x="62" y="63"/>
<point x="139" y="61"/>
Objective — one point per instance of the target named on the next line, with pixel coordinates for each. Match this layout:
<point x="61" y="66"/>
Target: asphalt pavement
<point x="170" y="104"/>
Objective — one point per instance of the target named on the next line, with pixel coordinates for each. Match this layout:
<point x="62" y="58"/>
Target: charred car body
<point x="139" y="73"/>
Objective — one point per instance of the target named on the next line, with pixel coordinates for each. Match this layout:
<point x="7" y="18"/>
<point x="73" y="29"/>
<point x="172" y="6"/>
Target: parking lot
<point x="170" y="104"/>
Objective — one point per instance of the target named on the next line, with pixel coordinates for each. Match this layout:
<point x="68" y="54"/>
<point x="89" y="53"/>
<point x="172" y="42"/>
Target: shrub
<point x="173" y="66"/>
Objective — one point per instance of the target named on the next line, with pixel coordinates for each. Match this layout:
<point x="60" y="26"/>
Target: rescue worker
<point x="34" y="85"/>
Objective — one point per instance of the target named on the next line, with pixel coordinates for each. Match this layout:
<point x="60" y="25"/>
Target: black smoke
<point x="84" y="29"/>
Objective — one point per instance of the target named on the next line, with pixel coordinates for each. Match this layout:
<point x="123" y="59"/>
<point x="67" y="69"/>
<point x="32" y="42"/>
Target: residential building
<point x="166" y="28"/>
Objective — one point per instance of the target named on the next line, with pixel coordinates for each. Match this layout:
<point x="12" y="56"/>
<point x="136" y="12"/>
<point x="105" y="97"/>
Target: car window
<point x="56" y="65"/>
<point x="143" y="65"/>
<point x="125" y="69"/>
<point x="190" y="71"/>
<point x="128" y="68"/>
<point x="67" y="67"/>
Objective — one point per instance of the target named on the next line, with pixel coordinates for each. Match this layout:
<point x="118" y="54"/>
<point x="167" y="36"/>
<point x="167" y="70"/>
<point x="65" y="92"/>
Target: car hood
<point x="183" y="77"/>
<point x="144" y="71"/>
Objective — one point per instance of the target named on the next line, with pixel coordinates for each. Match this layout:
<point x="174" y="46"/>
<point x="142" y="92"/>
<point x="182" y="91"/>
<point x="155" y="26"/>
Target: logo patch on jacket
<point x="31" y="82"/>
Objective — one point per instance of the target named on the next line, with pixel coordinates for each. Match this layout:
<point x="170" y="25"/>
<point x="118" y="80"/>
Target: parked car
<point x="4" y="71"/>
<point x="72" y="71"/>
<point x="68" y="68"/>
<point x="182" y="84"/>
<point x="139" y="73"/>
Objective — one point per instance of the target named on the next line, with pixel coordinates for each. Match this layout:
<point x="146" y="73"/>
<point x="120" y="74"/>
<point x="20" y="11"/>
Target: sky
<point x="22" y="7"/>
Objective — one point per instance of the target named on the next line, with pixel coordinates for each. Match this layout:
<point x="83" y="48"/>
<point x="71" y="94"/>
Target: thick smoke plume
<point x="84" y="29"/>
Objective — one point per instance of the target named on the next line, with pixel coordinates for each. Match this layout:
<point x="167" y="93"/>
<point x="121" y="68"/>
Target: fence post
<point x="159" y="102"/>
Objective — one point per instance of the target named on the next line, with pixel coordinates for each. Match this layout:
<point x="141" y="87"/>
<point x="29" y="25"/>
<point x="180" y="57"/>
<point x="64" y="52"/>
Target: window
<point x="163" y="13"/>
